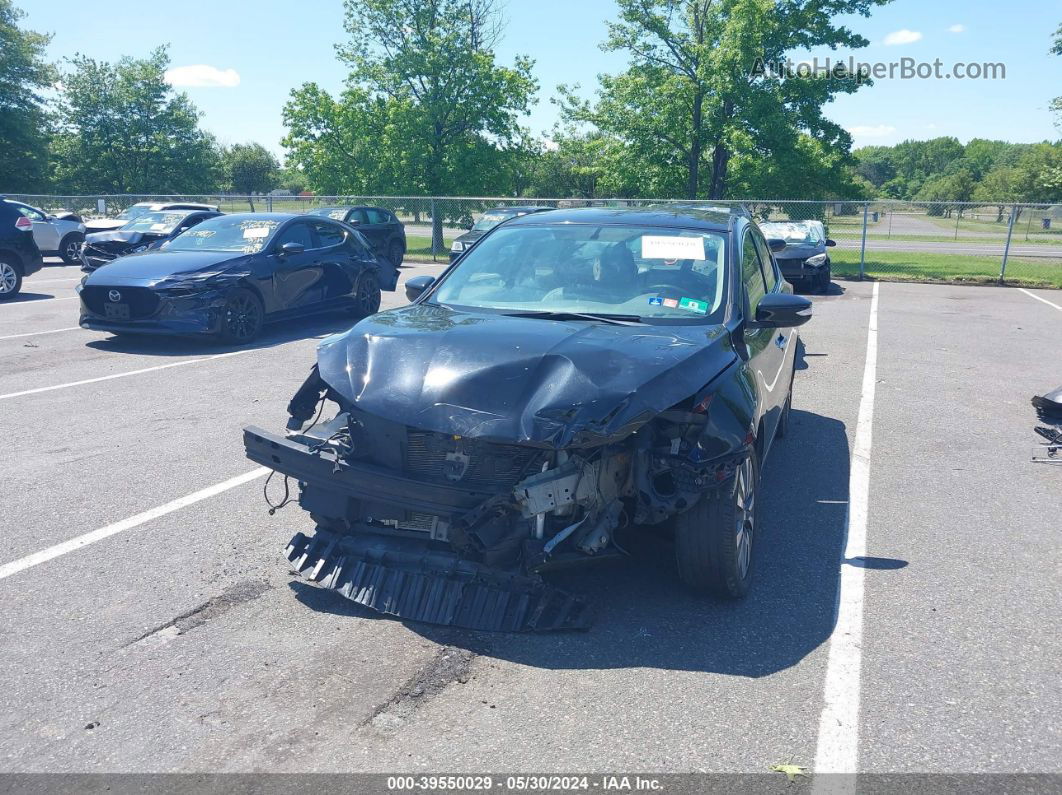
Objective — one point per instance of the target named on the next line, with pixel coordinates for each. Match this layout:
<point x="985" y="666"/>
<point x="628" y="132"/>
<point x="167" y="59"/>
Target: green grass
<point x="919" y="266"/>
<point x="419" y="247"/>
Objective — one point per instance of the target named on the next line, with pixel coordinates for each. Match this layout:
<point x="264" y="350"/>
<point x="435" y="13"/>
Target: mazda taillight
<point x="24" y="223"/>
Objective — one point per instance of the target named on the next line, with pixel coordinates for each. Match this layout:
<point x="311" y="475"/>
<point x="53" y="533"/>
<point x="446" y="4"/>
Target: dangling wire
<point x="265" y="493"/>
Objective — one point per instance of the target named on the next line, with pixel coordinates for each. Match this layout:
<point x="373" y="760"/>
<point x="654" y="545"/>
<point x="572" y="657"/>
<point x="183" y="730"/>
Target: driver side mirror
<point x="291" y="247"/>
<point x="776" y="244"/>
<point x="831" y="242"/>
<point x="416" y="286"/>
<point x="782" y="310"/>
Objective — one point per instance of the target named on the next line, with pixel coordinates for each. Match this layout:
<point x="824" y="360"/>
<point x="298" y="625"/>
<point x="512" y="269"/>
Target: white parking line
<point x="838" y="743"/>
<point x="37" y="302"/>
<point x="38" y="333"/>
<point x="31" y="282"/>
<point x="37" y="558"/>
<point x="123" y="375"/>
<point x="1038" y="298"/>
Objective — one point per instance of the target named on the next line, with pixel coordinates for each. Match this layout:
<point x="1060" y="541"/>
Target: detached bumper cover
<point x="407" y="579"/>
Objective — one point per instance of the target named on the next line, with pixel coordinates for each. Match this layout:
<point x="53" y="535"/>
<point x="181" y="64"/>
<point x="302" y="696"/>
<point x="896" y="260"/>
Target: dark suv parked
<point x="486" y="222"/>
<point x="383" y="230"/>
<point x="19" y="255"/>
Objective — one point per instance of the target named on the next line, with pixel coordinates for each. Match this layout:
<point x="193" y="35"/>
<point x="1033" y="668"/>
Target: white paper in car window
<point x="672" y="247"/>
<point x="158" y="227"/>
<point x="255" y="232"/>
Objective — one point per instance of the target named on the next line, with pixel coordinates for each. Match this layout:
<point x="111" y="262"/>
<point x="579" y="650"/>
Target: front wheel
<point x="242" y="317"/>
<point x="395" y="254"/>
<point x="714" y="539"/>
<point x="70" y="248"/>
<point x="825" y="279"/>
<point x="367" y="294"/>
<point x="10" y="280"/>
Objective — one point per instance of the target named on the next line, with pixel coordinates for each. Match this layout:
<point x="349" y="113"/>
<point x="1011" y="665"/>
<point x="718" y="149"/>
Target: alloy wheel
<point x="8" y="279"/>
<point x="72" y="251"/>
<point x="241" y="317"/>
<point x="745" y="502"/>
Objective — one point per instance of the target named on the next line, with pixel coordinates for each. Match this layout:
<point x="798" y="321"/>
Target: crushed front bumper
<point x="411" y="577"/>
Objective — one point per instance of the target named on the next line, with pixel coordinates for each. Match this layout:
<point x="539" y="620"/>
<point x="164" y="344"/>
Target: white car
<point x="134" y="211"/>
<point x="55" y="234"/>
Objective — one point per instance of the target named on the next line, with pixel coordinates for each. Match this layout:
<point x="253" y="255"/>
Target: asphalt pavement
<point x="177" y="641"/>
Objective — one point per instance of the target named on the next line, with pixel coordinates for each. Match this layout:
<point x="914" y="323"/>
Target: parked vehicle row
<point x="20" y="255"/>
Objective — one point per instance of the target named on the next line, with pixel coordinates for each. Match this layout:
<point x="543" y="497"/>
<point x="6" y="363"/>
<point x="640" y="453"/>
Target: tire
<point x="70" y="248"/>
<point x="714" y="540"/>
<point x="243" y="317"/>
<point x="825" y="280"/>
<point x="10" y="279"/>
<point x="395" y="254"/>
<point x="367" y="294"/>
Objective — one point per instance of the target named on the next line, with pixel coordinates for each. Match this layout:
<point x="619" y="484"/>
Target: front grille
<point x="499" y="466"/>
<point x="794" y="264"/>
<point x="142" y="301"/>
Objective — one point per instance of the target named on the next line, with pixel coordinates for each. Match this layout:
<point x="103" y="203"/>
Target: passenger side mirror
<point x="417" y="285"/>
<point x="291" y="247"/>
<point x="831" y="242"/>
<point x="776" y="244"/>
<point x="782" y="310"/>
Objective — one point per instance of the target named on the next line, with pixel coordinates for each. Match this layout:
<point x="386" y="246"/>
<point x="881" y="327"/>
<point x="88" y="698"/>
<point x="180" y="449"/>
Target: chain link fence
<point x="1000" y="242"/>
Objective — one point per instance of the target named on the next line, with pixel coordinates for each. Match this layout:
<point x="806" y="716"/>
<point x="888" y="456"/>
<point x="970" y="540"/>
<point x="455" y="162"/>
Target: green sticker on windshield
<point x="693" y="305"/>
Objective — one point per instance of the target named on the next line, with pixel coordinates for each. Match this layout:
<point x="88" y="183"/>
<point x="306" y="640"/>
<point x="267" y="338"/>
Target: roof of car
<point x="348" y="207"/>
<point x="659" y="215"/>
<point x="278" y="217"/>
<point x="519" y="209"/>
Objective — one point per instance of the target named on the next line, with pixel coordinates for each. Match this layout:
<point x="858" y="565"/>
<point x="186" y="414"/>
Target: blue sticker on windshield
<point x="656" y="300"/>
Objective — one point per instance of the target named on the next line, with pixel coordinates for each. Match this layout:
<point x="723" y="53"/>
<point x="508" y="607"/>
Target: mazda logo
<point x="114" y="296"/>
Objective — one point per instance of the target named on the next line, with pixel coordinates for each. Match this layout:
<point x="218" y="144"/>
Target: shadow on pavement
<point x="27" y="298"/>
<point x="645" y="618"/>
<point x="274" y="334"/>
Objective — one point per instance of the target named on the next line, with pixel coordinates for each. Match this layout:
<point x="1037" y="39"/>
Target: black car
<point x="577" y="375"/>
<point x="486" y="222"/>
<point x="19" y="255"/>
<point x="804" y="260"/>
<point x="230" y="274"/>
<point x="384" y="231"/>
<point x="146" y="231"/>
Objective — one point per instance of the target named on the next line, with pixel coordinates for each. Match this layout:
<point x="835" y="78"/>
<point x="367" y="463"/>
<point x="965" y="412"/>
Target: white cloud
<point x="931" y="126"/>
<point x="872" y="130"/>
<point x="957" y="29"/>
<point x="903" y="36"/>
<point x="202" y="76"/>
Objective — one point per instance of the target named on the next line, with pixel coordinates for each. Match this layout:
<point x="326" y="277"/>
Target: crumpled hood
<point x="547" y="382"/>
<point x="150" y="267"/>
<point x="94" y="225"/>
<point x="800" y="252"/>
<point x="114" y="236"/>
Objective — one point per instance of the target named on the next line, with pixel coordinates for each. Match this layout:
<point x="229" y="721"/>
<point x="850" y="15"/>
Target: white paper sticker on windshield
<point x="252" y="232"/>
<point x="158" y="227"/>
<point x="672" y="247"/>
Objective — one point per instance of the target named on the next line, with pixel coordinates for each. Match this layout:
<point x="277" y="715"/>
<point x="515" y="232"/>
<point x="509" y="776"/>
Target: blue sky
<point x="260" y="51"/>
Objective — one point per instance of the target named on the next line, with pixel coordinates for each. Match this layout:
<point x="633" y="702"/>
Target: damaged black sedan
<point x="576" y="375"/>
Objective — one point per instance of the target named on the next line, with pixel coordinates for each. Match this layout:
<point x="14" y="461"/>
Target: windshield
<point x="160" y="223"/>
<point x="137" y="210"/>
<point x="488" y="221"/>
<point x="335" y="213"/>
<point x="795" y="232"/>
<point x="591" y="268"/>
<point x="227" y="233"/>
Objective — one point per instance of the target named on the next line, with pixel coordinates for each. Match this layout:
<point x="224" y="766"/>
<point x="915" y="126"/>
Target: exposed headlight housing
<point x="457" y="247"/>
<point x="817" y="260"/>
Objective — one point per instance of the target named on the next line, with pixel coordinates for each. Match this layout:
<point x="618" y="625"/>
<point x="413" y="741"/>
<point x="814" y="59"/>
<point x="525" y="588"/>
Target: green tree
<point x="999" y="187"/>
<point x="701" y="92"/>
<point x="24" y="73"/>
<point x="125" y="130"/>
<point x="1056" y="49"/>
<point x="426" y="108"/>
<point x="249" y="169"/>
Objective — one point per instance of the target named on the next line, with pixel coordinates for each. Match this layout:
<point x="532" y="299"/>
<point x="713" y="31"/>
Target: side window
<point x="189" y="223"/>
<point x="29" y="212"/>
<point x="378" y="216"/>
<point x="328" y="235"/>
<point x="751" y="272"/>
<point x="360" y="245"/>
<point x="296" y="233"/>
<point x="357" y="217"/>
<point x="768" y="262"/>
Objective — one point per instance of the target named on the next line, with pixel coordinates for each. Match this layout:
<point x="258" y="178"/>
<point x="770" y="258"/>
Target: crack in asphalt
<point x="449" y="664"/>
<point x="215" y="607"/>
